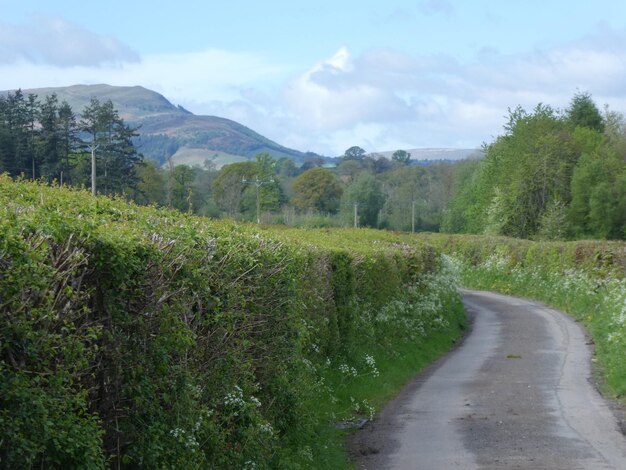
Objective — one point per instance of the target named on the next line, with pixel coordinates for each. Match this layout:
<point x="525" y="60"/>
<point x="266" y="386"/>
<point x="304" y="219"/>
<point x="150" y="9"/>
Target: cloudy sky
<point x="325" y="75"/>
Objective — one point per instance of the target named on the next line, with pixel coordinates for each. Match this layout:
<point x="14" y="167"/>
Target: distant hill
<point x="447" y="154"/>
<point x="169" y="130"/>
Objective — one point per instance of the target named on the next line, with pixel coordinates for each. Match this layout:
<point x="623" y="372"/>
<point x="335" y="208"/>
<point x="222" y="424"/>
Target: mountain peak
<point x="167" y="130"/>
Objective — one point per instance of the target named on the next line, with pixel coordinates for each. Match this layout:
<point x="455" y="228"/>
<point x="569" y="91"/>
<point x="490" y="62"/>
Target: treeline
<point x="361" y="190"/>
<point x="46" y="140"/>
<point x="552" y="175"/>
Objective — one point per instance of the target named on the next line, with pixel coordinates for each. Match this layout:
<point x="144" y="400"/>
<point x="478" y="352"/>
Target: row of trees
<point x="381" y="192"/>
<point x="45" y="140"/>
<point x="552" y="175"/>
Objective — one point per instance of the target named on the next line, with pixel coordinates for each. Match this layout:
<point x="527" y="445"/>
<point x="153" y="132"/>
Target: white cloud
<point x="191" y="77"/>
<point x="381" y="99"/>
<point x="55" y="41"/>
<point x="436" y="101"/>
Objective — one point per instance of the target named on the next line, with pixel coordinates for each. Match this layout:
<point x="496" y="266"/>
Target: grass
<point x="372" y="371"/>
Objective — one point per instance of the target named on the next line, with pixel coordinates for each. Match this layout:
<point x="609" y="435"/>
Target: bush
<point x="137" y="336"/>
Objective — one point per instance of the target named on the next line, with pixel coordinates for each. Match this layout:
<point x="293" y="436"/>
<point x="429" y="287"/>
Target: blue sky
<point x="323" y="76"/>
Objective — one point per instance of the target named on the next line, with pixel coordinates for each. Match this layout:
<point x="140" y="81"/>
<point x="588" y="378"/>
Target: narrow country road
<point x="515" y="395"/>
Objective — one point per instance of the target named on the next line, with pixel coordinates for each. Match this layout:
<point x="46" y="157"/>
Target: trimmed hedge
<point x="143" y="337"/>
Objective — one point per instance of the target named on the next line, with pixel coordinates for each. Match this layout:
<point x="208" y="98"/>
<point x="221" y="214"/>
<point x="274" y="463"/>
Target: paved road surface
<point x="515" y="395"/>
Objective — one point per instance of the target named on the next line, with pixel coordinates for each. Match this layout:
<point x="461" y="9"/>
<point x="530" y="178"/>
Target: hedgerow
<point x="142" y="337"/>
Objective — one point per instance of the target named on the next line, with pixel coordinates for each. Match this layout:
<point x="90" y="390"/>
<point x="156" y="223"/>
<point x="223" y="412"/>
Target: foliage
<point x="366" y="193"/>
<point x="401" y="156"/>
<point x="228" y="186"/>
<point x="44" y="140"/>
<point x="550" y="175"/>
<point x="583" y="112"/>
<point x="141" y="337"/>
<point x="317" y="189"/>
<point x="354" y="153"/>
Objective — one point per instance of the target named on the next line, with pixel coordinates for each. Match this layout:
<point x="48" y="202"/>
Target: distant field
<point x="437" y="153"/>
<point x="197" y="156"/>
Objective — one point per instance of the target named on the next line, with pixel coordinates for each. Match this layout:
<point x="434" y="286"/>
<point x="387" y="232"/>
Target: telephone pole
<point x="258" y="183"/>
<point x="356" y="216"/>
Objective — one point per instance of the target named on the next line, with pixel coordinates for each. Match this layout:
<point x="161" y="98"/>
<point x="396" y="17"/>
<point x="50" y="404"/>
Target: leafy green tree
<point x="522" y="172"/>
<point x="598" y="207"/>
<point x="152" y="184"/>
<point x="406" y="193"/>
<point x="229" y="186"/>
<point x="183" y="177"/>
<point x="270" y="191"/>
<point x="401" y="156"/>
<point x="583" y="112"/>
<point x="354" y="153"/>
<point x="286" y="168"/>
<point x="317" y="189"/>
<point x="366" y="192"/>
<point x="348" y="170"/>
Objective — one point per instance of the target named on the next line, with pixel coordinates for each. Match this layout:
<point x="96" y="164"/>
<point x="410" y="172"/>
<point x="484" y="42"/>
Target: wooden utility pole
<point x="356" y="216"/>
<point x="413" y="216"/>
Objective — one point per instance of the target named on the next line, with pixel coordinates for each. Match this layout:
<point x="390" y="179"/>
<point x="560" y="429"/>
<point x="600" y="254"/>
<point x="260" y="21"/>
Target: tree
<point x="110" y="143"/>
<point x="366" y="193"/>
<point x="354" y="153"/>
<point x="68" y="138"/>
<point x="522" y="172"/>
<point x="317" y="189"/>
<point x="598" y="207"/>
<point x="183" y="177"/>
<point x="349" y="169"/>
<point x="583" y="112"/>
<point x="401" y="156"/>
<point x="228" y="186"/>
<point x="285" y="167"/>
<point x="151" y="186"/>
<point x="91" y="124"/>
<point x="270" y="192"/>
<point x="48" y="147"/>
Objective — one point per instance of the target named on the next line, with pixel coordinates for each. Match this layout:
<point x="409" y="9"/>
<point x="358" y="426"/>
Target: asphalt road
<point x="516" y="394"/>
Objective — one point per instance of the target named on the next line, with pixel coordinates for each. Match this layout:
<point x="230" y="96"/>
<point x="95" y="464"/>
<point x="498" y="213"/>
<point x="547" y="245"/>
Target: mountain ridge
<point x="170" y="131"/>
<point x="167" y="130"/>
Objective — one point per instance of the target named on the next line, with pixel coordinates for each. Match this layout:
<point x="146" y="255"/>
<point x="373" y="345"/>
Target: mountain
<point x="169" y="130"/>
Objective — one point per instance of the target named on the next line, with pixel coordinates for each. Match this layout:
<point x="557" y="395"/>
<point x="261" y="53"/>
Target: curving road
<point x="515" y="395"/>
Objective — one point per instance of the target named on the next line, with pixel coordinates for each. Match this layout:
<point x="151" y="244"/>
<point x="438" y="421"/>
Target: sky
<point x="322" y="75"/>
